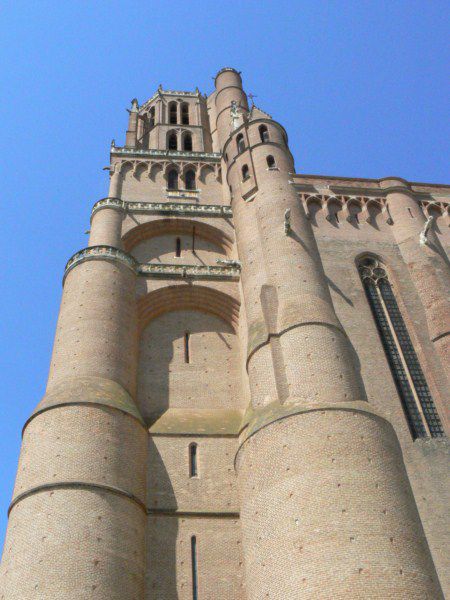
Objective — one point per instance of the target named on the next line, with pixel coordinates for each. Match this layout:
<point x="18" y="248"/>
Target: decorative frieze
<point x="122" y="150"/>
<point x="166" y="271"/>
<point x="194" y="271"/>
<point x="164" y="208"/>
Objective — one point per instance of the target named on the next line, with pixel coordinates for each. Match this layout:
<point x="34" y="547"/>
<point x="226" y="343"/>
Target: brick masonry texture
<point x="255" y="421"/>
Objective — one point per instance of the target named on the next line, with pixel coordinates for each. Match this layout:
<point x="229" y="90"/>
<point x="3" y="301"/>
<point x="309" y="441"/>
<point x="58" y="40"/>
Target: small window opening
<point x="185" y="113"/>
<point x="240" y="143"/>
<point x="190" y="180"/>
<point x="226" y="157"/>
<point x="194" y="568"/>
<point x="270" y="162"/>
<point x="263" y="133"/>
<point x="187" y="355"/>
<point x="173" y="117"/>
<point x="172" y="180"/>
<point x="178" y="248"/>
<point x="193" y="470"/>
<point x="245" y="173"/>
<point x="187" y="142"/>
<point x="173" y="142"/>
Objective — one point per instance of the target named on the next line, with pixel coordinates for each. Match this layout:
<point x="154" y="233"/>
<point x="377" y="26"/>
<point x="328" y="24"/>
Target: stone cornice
<point x="159" y="270"/>
<point x="171" y="154"/>
<point x="164" y="208"/>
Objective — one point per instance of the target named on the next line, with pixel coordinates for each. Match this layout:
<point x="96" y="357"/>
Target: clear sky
<point x="360" y="85"/>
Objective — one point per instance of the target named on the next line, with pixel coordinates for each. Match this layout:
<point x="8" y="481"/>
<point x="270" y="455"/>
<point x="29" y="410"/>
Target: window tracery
<point x="418" y="405"/>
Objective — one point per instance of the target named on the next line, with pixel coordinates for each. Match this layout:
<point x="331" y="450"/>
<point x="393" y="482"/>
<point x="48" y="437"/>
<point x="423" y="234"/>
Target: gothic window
<point x="240" y="143"/>
<point x="193" y="470"/>
<point x="173" y="142"/>
<point x="152" y="116"/>
<point x="187" y="142"/>
<point x="270" y="162"/>
<point x="194" y="568"/>
<point x="412" y="387"/>
<point x="172" y="180"/>
<point x="190" y="180"/>
<point x="263" y="133"/>
<point x="173" y="116"/>
<point x="245" y="173"/>
<point x="185" y="113"/>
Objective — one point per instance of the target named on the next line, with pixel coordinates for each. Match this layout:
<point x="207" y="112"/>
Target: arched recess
<point x="188" y="335"/>
<point x="174" y="226"/>
<point x="188" y="297"/>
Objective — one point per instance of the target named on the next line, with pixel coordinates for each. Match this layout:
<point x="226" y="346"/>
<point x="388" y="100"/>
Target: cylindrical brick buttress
<point x="78" y="515"/>
<point x="326" y="506"/>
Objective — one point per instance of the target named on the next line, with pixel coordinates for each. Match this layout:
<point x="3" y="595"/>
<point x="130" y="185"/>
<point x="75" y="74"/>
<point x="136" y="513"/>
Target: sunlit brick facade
<point x="248" y="390"/>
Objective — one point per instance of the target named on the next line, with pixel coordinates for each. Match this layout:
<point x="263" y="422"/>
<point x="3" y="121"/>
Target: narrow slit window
<point x="194" y="568"/>
<point x="270" y="162"/>
<point x="245" y="173"/>
<point x="178" y="247"/>
<point x="152" y="116"/>
<point x="410" y="213"/>
<point x="193" y="468"/>
<point x="415" y="396"/>
<point x="187" y="350"/>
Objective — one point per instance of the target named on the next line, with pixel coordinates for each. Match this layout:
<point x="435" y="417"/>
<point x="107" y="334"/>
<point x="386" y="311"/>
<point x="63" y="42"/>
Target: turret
<point x="78" y="514"/>
<point x="321" y="474"/>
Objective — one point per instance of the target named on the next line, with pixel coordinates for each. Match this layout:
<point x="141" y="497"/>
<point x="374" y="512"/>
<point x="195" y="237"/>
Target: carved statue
<point x="287" y="221"/>
<point x="113" y="143"/>
<point x="235" y="115"/>
<point x="424" y="234"/>
<point x="134" y="105"/>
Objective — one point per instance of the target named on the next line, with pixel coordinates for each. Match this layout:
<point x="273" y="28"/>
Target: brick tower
<point x="247" y="395"/>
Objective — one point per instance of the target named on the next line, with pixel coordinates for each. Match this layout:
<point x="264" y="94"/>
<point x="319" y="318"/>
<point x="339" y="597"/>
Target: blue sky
<point x="361" y="87"/>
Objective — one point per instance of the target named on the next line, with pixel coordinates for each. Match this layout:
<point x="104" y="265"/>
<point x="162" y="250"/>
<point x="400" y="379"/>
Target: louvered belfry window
<point x="421" y="414"/>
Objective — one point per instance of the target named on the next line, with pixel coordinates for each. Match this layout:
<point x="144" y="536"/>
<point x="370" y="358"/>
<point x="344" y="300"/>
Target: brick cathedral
<point x="248" y="391"/>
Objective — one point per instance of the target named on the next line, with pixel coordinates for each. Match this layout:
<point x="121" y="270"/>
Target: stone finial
<point x="113" y="143"/>
<point x="134" y="105"/>
<point x="423" y="238"/>
<point x="287" y="221"/>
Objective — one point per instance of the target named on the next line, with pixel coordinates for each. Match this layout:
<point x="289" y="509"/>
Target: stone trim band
<point x="164" y="208"/>
<point x="170" y="271"/>
<point x="71" y="485"/>
<point x="74" y="485"/>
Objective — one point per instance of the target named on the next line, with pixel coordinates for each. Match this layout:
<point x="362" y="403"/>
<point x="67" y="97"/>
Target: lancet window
<point x="187" y="142"/>
<point x="418" y="405"/>
<point x="190" y="180"/>
<point x="263" y="133"/>
<point x="172" y="180"/>
<point x="173" y="113"/>
<point x="185" y="113"/>
<point x="240" y="143"/>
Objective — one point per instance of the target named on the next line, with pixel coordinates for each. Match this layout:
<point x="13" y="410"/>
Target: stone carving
<point x="229" y="262"/>
<point x="423" y="238"/>
<point x="287" y="221"/>
<point x="235" y="114"/>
